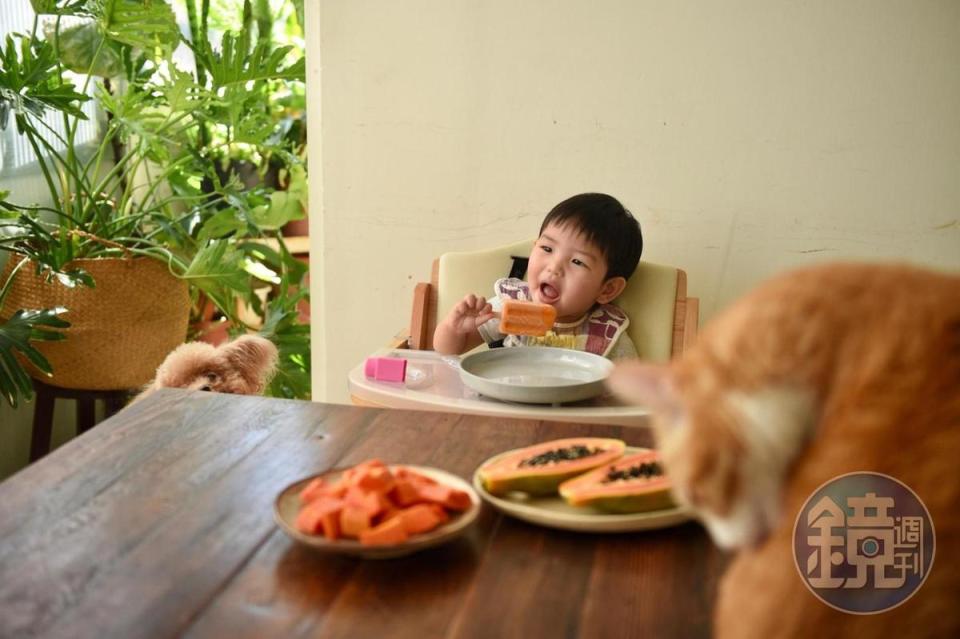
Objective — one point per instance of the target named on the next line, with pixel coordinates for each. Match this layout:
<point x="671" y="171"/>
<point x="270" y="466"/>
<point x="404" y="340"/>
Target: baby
<point x="589" y="245"/>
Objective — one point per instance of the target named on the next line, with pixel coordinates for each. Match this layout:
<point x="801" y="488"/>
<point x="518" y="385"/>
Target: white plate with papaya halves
<point x="586" y="484"/>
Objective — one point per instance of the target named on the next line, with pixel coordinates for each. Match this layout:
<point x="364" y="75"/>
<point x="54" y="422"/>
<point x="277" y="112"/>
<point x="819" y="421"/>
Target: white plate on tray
<point x="554" y="512"/>
<point x="536" y="375"/>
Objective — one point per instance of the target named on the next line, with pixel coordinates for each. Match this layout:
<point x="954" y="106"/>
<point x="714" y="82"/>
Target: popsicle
<point x="526" y="318"/>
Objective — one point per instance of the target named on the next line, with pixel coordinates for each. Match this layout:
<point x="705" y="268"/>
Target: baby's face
<point x="566" y="272"/>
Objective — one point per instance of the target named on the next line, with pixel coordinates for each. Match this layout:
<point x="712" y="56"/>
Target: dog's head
<point x="243" y="366"/>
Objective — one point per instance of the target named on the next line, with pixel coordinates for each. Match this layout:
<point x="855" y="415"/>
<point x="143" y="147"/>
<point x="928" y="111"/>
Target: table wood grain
<point x="158" y="522"/>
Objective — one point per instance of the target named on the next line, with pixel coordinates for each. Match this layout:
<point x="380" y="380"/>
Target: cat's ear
<point x="648" y="385"/>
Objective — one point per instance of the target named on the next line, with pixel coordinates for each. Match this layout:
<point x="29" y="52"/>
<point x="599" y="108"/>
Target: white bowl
<point x="536" y="375"/>
<point x="287" y="506"/>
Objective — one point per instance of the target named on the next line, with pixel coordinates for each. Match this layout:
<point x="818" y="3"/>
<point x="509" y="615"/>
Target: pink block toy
<point x="386" y="369"/>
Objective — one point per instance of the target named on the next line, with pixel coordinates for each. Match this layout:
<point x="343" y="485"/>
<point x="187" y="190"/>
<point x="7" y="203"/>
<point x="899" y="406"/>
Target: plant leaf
<point x="141" y="24"/>
<point x="83" y="49"/>
<point x="16" y="333"/>
<point x="234" y="65"/>
<point x="60" y="7"/>
<point x="30" y="80"/>
<point x="217" y="270"/>
<point x="283" y="328"/>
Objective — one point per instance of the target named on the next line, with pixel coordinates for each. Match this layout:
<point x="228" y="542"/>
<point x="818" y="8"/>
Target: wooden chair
<point x="663" y="320"/>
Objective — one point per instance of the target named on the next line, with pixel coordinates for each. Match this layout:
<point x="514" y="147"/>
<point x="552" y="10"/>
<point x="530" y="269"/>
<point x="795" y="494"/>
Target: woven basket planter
<point x="119" y="331"/>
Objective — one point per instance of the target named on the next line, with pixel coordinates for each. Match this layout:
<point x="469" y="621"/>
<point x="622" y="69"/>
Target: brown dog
<point x="243" y="367"/>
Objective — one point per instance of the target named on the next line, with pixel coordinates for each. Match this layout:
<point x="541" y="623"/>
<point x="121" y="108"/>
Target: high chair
<point x="663" y="320"/>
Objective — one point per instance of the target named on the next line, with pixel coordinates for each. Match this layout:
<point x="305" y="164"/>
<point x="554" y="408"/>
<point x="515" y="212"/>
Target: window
<point x="16" y="155"/>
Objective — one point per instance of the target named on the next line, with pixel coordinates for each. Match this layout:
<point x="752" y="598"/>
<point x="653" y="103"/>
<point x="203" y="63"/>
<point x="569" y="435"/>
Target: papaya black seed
<point x="561" y="454"/>
<point x="645" y="470"/>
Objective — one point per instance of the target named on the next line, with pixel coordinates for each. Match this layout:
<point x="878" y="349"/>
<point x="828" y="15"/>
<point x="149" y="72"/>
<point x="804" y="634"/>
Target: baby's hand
<point x="471" y="312"/>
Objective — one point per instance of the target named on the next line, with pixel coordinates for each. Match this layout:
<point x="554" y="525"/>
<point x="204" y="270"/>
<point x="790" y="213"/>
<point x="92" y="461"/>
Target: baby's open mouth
<point x="548" y="293"/>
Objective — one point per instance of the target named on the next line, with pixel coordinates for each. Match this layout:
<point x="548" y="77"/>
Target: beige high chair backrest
<point x="663" y="320"/>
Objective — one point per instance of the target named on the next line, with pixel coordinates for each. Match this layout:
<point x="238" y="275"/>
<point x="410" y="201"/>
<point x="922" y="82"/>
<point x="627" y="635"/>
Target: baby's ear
<point x="611" y="289"/>
<point x="647" y="385"/>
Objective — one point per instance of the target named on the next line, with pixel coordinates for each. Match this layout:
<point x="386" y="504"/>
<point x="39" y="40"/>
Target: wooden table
<point x="158" y="522"/>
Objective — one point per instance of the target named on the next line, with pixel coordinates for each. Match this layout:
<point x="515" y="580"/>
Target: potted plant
<point x="149" y="195"/>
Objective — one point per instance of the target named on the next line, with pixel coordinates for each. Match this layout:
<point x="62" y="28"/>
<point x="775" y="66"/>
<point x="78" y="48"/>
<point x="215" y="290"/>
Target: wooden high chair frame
<point x="423" y="319"/>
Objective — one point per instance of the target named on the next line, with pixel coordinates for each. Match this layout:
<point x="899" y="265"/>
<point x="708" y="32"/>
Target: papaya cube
<point x="419" y="518"/>
<point x="310" y="518"/>
<point x="312" y="490"/>
<point x="353" y="520"/>
<point x="330" y="525"/>
<point x="335" y="489"/>
<point x="320" y="487"/>
<point x="349" y="474"/>
<point x="445" y="496"/>
<point x="407" y="473"/>
<point x="307" y="522"/>
<point x="457" y="500"/>
<point x="405" y="492"/>
<point x="388" y="513"/>
<point x="376" y="479"/>
<point x="387" y="533"/>
<point x="371" y="503"/>
<point x="441" y="513"/>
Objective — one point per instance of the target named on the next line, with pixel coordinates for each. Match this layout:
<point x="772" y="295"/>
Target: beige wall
<point x="747" y="137"/>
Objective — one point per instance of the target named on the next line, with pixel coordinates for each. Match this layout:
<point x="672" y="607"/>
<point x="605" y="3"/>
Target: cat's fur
<point x="243" y="367"/>
<point x="823" y="371"/>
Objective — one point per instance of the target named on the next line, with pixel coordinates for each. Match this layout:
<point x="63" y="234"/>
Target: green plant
<point x="159" y="181"/>
<point x="23" y="327"/>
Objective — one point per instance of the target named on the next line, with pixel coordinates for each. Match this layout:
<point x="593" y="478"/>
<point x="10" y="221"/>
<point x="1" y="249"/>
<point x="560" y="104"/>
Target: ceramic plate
<point x="287" y="505"/>
<point x="554" y="512"/>
<point x="536" y="375"/>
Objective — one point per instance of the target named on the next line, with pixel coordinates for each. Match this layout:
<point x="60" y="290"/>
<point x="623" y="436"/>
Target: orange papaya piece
<point x="310" y="517"/>
<point x="335" y="489"/>
<point x="352" y="472"/>
<point x="442" y="515"/>
<point x="330" y="525"/>
<point x="374" y="479"/>
<point x="445" y="496"/>
<point x="312" y="490"/>
<point x="458" y="500"/>
<point x="388" y="513"/>
<point x="320" y="487"/>
<point x="387" y="533"/>
<point x="307" y="522"/>
<point x="405" y="492"/>
<point x="414" y="476"/>
<point x="419" y="518"/>
<point x="353" y="520"/>
<point x="371" y="503"/>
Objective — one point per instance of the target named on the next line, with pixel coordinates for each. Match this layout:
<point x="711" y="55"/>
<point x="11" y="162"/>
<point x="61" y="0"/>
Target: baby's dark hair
<point x="605" y="223"/>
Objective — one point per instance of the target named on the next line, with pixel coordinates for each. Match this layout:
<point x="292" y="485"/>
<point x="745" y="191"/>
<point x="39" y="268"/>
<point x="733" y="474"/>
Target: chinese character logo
<point x="863" y="543"/>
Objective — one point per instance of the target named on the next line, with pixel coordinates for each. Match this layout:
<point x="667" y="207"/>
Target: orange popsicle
<point x="526" y="318"/>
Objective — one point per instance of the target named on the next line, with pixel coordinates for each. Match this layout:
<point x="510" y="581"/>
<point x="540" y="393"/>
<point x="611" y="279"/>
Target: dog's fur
<point x="243" y="367"/>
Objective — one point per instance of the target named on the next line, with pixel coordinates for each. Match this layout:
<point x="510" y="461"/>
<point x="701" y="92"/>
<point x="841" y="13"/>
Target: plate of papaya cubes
<point x="377" y="511"/>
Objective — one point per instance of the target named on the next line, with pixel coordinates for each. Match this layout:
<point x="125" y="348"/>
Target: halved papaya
<point x="631" y="484"/>
<point x="540" y="469"/>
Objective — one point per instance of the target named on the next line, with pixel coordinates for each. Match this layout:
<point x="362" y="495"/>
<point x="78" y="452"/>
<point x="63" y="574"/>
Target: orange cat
<point x="817" y="373"/>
